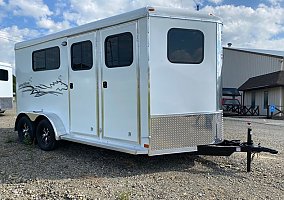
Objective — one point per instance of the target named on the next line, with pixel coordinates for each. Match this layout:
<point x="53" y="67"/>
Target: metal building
<point x="257" y="73"/>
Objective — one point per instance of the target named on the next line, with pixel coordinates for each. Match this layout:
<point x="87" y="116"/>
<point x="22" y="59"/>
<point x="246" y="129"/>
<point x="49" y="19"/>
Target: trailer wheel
<point x="25" y="131"/>
<point x="45" y="135"/>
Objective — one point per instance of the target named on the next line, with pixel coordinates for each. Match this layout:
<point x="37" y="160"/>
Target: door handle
<point x="71" y="85"/>
<point x="105" y="84"/>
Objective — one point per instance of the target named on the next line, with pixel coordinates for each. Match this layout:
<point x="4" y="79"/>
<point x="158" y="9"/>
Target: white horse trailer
<point x="143" y="82"/>
<point x="6" y="87"/>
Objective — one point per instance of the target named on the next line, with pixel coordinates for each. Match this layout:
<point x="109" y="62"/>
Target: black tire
<point x="26" y="131"/>
<point x="45" y="135"/>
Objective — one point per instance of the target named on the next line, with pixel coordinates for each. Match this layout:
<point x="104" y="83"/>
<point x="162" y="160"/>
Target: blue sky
<point x="254" y="24"/>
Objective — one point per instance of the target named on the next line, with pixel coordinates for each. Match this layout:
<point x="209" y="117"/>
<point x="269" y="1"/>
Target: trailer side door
<point x="120" y="82"/>
<point x="83" y="84"/>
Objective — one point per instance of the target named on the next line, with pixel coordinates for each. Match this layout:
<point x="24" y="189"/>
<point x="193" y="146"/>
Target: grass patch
<point x="9" y="140"/>
<point x="123" y="196"/>
<point x="27" y="141"/>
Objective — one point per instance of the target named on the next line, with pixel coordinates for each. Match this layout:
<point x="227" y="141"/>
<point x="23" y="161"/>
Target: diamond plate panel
<point x="6" y="103"/>
<point x="178" y="132"/>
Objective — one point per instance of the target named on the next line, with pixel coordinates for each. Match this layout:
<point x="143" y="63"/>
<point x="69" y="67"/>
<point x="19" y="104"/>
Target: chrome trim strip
<point x="186" y="114"/>
<point x="219" y="55"/>
<point x="101" y="89"/>
<point x="172" y="151"/>
<point x="96" y="53"/>
<point x="68" y="74"/>
<point x="137" y="46"/>
<point x="149" y="85"/>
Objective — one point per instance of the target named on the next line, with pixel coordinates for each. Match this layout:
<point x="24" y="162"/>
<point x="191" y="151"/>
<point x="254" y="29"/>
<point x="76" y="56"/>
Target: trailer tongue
<point x="228" y="147"/>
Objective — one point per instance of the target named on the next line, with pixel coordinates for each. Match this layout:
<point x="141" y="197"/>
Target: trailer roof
<point x="125" y="17"/>
<point x="5" y="64"/>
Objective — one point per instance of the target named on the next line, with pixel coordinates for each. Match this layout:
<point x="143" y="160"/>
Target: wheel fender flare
<point x="56" y="122"/>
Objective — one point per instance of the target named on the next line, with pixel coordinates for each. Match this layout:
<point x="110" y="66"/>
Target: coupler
<point x="228" y="147"/>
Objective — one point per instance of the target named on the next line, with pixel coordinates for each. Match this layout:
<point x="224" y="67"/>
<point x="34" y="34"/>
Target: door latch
<point x="104" y="84"/>
<point x="71" y="85"/>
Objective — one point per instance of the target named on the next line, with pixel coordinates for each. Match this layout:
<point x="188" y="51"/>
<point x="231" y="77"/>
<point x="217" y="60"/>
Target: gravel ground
<point x="75" y="171"/>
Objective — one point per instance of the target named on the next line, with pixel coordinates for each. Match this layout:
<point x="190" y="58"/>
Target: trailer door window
<point x="185" y="46"/>
<point x="82" y="55"/>
<point x="3" y="75"/>
<point x="119" y="50"/>
<point x="46" y="59"/>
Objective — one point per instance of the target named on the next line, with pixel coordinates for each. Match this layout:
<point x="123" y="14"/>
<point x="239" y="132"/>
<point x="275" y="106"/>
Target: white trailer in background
<point x="143" y="82"/>
<point x="6" y="87"/>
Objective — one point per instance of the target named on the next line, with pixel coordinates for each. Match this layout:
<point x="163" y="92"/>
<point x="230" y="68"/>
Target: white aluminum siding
<point x="239" y="66"/>
<point x="274" y="98"/>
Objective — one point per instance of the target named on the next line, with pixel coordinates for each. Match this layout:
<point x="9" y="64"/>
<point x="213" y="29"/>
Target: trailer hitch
<point x="228" y="147"/>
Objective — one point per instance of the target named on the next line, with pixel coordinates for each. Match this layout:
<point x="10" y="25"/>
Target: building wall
<point x="274" y="98"/>
<point x="239" y="66"/>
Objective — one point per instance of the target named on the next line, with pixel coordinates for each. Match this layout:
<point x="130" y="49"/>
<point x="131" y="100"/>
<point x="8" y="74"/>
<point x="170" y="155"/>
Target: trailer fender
<point x="55" y="121"/>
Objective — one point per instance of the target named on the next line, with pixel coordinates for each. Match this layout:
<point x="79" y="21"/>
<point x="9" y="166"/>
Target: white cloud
<point x="92" y="10"/>
<point x="275" y="44"/>
<point x="52" y="26"/>
<point x="252" y="28"/>
<point x="38" y="10"/>
<point x="60" y="7"/>
<point x="276" y="2"/>
<point x="8" y="37"/>
<point x="2" y="10"/>
<point x="30" y="8"/>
